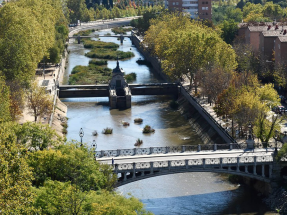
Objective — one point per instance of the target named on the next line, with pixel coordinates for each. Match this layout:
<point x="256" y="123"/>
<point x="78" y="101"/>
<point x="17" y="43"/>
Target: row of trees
<point x="40" y="173"/>
<point x="92" y="10"/>
<point x="189" y="49"/>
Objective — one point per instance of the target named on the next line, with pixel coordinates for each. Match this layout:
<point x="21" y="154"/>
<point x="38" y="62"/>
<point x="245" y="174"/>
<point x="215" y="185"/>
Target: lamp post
<point x="250" y="142"/>
<point x="81" y="134"/>
<point x="95" y="148"/>
<point x="276" y="138"/>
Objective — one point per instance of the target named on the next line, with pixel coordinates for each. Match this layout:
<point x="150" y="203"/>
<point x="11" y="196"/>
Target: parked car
<point x="279" y="109"/>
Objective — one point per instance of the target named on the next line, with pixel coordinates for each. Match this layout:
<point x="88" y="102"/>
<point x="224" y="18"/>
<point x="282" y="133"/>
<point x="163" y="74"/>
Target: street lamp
<point x="276" y="138"/>
<point x="250" y="142"/>
<point x="81" y="134"/>
<point x="95" y="148"/>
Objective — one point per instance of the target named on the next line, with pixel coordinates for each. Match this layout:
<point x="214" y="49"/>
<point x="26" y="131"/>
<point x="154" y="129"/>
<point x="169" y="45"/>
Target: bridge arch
<point x="260" y="170"/>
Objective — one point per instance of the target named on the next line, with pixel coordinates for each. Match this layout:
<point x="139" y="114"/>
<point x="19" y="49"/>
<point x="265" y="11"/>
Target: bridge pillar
<point x="263" y="169"/>
<point x="134" y="170"/>
<point x="122" y="38"/>
<point x="125" y="176"/>
<point x="150" y="150"/>
<point x="116" y="168"/>
<point x="169" y="166"/>
<point x="220" y="163"/>
<point x="254" y="166"/>
<point x="237" y="167"/>
<point x="246" y="168"/>
<point x="142" y="173"/>
<point x="166" y="149"/>
<point x="79" y="39"/>
<point x="270" y="170"/>
<point x="203" y="162"/>
<point x="135" y="151"/>
<point x="102" y="153"/>
<point x="118" y="152"/>
<point x="186" y="164"/>
<point x="182" y="148"/>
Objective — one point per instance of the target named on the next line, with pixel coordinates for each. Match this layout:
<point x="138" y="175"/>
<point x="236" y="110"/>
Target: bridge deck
<point x="187" y="155"/>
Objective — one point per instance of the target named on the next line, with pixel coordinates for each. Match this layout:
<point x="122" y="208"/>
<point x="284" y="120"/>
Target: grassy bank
<point x="121" y="30"/>
<point x="92" y="44"/>
<point x="90" y="74"/>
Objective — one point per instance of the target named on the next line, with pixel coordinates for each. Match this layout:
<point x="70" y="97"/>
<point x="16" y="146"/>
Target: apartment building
<point x="281" y="50"/>
<point x="196" y="8"/>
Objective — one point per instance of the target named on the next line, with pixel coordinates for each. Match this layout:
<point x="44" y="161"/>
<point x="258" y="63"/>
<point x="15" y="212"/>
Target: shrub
<point x="148" y="129"/>
<point x="131" y="77"/>
<point x="138" y="142"/>
<point x="121" y="30"/>
<point x="138" y="120"/>
<point x="98" y="62"/>
<point x="107" y="130"/>
<point x="125" y="123"/>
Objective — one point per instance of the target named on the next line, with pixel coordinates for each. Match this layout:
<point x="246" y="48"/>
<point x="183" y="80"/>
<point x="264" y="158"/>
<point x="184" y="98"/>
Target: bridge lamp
<point x="276" y="135"/>
<point x="81" y="134"/>
<point x="94" y="147"/>
<point x="250" y="142"/>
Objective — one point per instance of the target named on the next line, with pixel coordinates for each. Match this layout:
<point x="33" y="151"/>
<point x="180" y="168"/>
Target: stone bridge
<point x="140" y="163"/>
<point x="79" y="91"/>
<point x="97" y="36"/>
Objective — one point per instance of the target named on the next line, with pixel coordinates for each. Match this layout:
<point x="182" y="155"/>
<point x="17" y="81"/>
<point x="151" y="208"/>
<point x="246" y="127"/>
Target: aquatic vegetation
<point x="138" y="120"/>
<point x="131" y="77"/>
<point x="138" y="142"/>
<point x="107" y="130"/>
<point x="148" y="129"/>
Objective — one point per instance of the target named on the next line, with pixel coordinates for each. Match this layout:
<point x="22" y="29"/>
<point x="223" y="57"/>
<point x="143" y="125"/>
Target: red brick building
<point x="281" y="50"/>
<point x="196" y="8"/>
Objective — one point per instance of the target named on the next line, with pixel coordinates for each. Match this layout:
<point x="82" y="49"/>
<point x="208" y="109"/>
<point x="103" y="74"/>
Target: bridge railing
<point x="196" y="162"/>
<point x="167" y="149"/>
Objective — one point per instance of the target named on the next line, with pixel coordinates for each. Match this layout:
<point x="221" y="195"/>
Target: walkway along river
<point x="188" y="193"/>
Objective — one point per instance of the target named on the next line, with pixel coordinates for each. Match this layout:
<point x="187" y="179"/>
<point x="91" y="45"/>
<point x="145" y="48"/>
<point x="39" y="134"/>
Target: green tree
<point x="4" y="101"/>
<point x="16" y="196"/>
<point x="70" y="162"/>
<point x="229" y="30"/>
<point x="38" y="101"/>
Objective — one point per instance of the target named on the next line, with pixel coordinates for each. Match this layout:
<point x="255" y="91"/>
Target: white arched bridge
<point x="140" y="163"/>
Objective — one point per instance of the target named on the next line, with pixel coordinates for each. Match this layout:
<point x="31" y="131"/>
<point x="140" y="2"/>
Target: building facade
<point x="281" y="50"/>
<point x="196" y="8"/>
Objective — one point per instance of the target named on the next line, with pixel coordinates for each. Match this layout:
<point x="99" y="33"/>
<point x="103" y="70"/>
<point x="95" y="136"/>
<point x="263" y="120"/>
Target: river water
<point x="185" y="193"/>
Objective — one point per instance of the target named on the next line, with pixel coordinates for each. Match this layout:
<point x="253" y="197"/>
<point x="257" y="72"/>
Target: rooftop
<point x="273" y="33"/>
<point x="283" y="39"/>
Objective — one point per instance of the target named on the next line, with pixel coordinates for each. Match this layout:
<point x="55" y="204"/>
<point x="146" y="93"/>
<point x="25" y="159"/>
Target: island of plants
<point x="104" y="50"/>
<point x="138" y="120"/>
<point x="147" y="129"/>
<point x="85" y="33"/>
<point x="107" y="130"/>
<point x="94" y="72"/>
<point x="138" y="142"/>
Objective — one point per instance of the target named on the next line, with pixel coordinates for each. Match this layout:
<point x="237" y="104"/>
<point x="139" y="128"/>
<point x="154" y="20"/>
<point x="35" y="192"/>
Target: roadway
<point x="186" y="156"/>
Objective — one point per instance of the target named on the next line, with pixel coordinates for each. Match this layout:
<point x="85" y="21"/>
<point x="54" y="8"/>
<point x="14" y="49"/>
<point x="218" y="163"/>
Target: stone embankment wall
<point x="204" y="125"/>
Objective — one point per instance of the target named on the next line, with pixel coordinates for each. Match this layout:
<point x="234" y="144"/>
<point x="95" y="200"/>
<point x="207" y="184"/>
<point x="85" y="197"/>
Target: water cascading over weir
<point x="119" y="91"/>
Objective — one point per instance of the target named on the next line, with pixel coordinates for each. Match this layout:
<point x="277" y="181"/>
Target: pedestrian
<point x="112" y="161"/>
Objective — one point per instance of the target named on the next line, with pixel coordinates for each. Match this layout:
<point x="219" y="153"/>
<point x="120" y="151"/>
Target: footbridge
<point x="82" y="91"/>
<point x="140" y="163"/>
<point x="121" y="37"/>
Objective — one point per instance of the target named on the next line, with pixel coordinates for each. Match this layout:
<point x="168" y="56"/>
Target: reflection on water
<point x="182" y="194"/>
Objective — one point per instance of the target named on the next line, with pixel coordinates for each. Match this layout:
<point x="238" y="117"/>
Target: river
<point x="185" y="193"/>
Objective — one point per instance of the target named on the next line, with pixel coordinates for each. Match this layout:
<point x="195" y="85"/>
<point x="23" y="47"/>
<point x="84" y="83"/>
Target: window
<point x="206" y="8"/>
<point x="203" y="8"/>
<point x="206" y="13"/>
<point x="177" y="3"/>
<point x="202" y="2"/>
<point x="206" y="2"/>
<point x="173" y="3"/>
